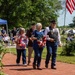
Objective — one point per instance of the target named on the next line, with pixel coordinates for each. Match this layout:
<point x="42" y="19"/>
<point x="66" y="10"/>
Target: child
<point x="21" y="41"/>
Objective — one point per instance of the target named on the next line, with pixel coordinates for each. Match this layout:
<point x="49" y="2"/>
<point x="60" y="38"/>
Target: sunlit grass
<point x="1" y="73"/>
<point x="66" y="59"/>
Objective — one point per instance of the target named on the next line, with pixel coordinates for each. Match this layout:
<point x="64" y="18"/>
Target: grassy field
<point x="1" y="73"/>
<point x="66" y="59"/>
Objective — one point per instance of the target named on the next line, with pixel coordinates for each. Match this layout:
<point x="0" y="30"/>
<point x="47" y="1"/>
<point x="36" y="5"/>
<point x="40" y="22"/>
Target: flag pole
<point x="65" y="14"/>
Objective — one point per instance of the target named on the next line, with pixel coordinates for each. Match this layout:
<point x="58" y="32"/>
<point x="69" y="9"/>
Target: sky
<point x="69" y="18"/>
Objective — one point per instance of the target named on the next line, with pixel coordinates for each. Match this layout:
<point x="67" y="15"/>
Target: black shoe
<point x="39" y="68"/>
<point x="34" y="66"/>
<point x="53" y="67"/>
<point x="46" y="65"/>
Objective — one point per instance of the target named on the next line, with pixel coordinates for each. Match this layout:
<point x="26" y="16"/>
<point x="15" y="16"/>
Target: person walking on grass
<point x="53" y="40"/>
<point x="21" y="41"/>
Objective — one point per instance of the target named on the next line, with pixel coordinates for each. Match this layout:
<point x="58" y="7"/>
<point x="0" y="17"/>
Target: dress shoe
<point x="53" y="67"/>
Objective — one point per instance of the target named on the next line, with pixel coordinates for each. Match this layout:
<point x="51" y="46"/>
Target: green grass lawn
<point x="1" y="73"/>
<point x="66" y="59"/>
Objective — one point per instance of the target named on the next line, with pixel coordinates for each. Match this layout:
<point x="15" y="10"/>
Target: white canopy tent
<point x="70" y="31"/>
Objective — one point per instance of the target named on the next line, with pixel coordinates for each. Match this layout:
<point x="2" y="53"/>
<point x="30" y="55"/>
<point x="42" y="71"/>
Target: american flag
<point x="70" y="5"/>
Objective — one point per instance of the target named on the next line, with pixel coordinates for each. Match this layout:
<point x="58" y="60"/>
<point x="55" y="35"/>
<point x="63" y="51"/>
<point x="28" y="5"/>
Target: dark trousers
<point x="51" y="51"/>
<point x="37" y="56"/>
<point x="19" y="52"/>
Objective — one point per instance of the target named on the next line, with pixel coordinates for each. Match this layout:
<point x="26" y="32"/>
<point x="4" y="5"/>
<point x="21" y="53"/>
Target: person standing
<point x="53" y="40"/>
<point x="14" y="32"/>
<point x="37" y="46"/>
<point x="30" y="42"/>
<point x="3" y="31"/>
<point x="21" y="41"/>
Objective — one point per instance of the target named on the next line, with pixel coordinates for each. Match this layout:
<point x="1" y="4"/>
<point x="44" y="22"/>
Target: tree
<point x="72" y="24"/>
<point x="13" y="11"/>
<point x="23" y="12"/>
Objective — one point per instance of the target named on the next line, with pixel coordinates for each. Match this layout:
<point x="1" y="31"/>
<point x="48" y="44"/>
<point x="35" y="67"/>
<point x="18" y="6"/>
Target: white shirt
<point x="6" y="38"/>
<point x="56" y="30"/>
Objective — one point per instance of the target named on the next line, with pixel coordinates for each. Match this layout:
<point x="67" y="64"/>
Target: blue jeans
<point x="51" y="51"/>
<point x="19" y="52"/>
<point x="37" y="56"/>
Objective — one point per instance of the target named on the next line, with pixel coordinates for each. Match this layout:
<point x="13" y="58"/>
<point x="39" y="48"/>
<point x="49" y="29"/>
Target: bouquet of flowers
<point x="22" y="41"/>
<point x="42" y="42"/>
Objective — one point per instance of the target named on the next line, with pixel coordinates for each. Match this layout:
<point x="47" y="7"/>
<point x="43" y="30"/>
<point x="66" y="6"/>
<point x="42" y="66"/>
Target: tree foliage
<point x="72" y="24"/>
<point x="23" y="12"/>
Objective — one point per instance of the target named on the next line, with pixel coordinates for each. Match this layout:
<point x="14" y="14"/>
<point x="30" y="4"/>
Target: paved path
<point x="11" y="68"/>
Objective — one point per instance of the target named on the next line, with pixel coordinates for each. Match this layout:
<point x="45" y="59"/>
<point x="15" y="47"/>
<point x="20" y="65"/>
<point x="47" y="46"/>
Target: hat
<point x="53" y="21"/>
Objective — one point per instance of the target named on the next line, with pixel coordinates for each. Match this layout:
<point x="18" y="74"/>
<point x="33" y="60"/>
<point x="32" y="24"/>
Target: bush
<point x="63" y="39"/>
<point x="69" y="48"/>
<point x="2" y="53"/>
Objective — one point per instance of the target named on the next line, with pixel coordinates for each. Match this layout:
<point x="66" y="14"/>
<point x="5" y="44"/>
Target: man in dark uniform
<point x="30" y="43"/>
<point x="53" y="40"/>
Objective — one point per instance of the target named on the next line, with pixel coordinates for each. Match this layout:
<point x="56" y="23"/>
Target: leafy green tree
<point x="72" y="24"/>
<point x="24" y="12"/>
